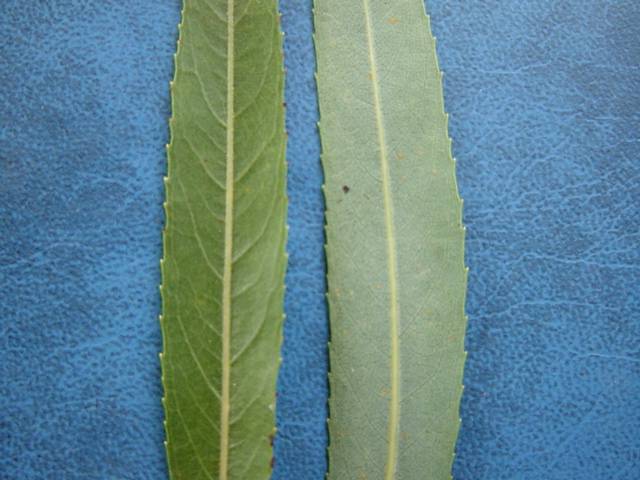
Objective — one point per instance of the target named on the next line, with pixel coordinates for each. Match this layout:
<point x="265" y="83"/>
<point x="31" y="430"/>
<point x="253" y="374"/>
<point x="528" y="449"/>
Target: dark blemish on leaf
<point x="272" y="462"/>
<point x="271" y="439"/>
<point x="345" y="189"/>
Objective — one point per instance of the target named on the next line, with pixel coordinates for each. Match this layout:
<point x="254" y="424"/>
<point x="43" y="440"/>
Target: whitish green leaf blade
<point x="395" y="243"/>
<point x="224" y="240"/>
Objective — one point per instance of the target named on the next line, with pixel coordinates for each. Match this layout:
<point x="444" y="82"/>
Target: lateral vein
<point x="394" y="313"/>
<point x="228" y="254"/>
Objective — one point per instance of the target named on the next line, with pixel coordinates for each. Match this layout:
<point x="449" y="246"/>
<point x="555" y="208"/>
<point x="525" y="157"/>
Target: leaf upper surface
<point x="224" y="239"/>
<point x="395" y="243"/>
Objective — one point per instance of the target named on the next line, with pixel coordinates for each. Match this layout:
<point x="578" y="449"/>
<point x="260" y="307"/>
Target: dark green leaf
<point x="224" y="240"/>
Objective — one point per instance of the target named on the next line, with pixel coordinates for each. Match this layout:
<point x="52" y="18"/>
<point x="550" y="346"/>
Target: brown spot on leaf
<point x="345" y="189"/>
<point x="393" y="21"/>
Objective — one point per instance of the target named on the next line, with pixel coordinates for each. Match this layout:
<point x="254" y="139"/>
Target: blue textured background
<point x="544" y="102"/>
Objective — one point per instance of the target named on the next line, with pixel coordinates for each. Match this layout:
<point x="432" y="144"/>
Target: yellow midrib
<point x="225" y="394"/>
<point x="394" y="401"/>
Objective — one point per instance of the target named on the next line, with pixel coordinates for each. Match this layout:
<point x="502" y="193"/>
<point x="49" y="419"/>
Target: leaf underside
<point x="395" y="243"/>
<point x="224" y="241"/>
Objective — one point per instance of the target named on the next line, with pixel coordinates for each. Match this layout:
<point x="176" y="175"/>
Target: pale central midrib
<point x="225" y="395"/>
<point x="394" y="402"/>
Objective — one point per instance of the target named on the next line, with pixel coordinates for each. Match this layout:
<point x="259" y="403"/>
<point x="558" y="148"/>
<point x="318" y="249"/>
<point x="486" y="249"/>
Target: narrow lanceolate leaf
<point x="395" y="241"/>
<point x="224" y="240"/>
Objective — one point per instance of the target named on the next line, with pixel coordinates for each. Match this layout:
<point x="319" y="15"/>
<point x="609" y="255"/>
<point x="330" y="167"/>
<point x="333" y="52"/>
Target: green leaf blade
<point x="395" y="243"/>
<point x="224" y="241"/>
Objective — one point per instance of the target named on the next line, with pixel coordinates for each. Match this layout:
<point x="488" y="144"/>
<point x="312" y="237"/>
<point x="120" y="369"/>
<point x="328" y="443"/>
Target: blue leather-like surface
<point x="544" y="104"/>
<point x="300" y="446"/>
<point x="83" y="125"/>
